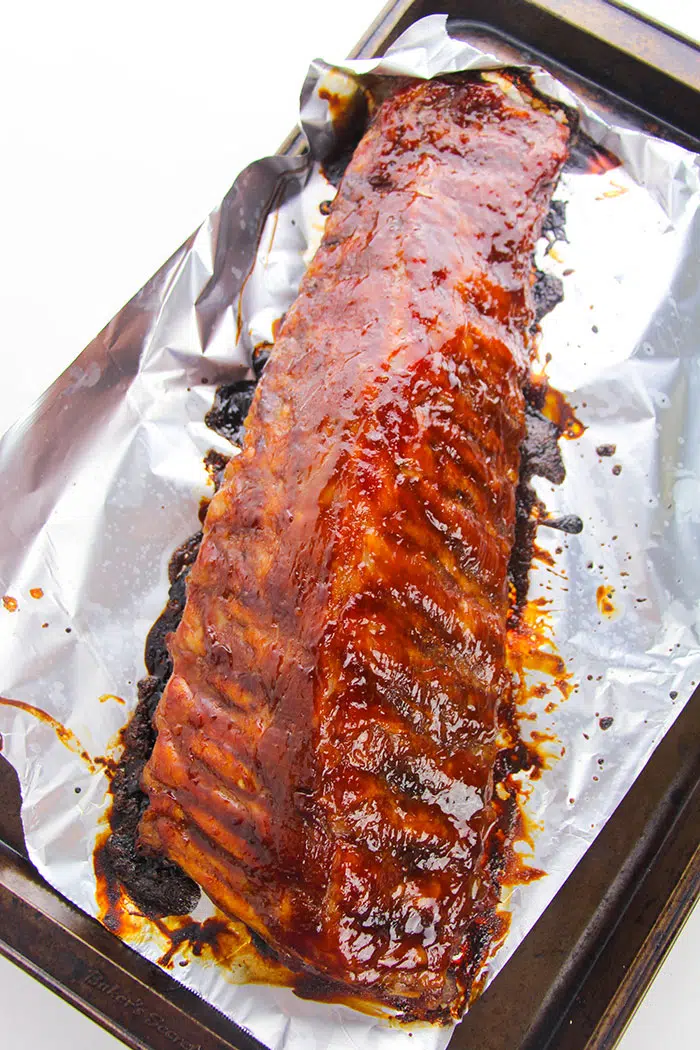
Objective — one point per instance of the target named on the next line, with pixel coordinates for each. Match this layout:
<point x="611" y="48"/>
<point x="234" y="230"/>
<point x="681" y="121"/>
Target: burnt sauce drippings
<point x="554" y="227"/>
<point x="156" y="885"/>
<point x="547" y="291"/>
<point x="350" y="117"/>
<point x="540" y="454"/>
<point x="587" y="157"/>
<point x="232" y="400"/>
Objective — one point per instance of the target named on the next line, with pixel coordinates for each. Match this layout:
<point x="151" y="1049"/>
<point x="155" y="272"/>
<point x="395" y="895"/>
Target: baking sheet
<point x="103" y="480"/>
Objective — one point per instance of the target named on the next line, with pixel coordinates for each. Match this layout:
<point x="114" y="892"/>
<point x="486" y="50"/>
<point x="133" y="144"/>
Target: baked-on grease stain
<point x="588" y="158"/>
<point x="548" y="417"/>
<point x="554" y="227"/>
<point x="232" y="400"/>
<point x="349" y="113"/>
<point x="10" y="603"/>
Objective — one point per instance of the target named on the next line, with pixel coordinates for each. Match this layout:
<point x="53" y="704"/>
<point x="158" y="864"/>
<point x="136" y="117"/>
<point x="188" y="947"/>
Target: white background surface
<point x="122" y="126"/>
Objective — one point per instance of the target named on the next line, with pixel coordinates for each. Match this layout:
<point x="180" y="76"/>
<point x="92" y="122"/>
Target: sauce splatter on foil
<point x="604" y="599"/>
<point x="64" y="734"/>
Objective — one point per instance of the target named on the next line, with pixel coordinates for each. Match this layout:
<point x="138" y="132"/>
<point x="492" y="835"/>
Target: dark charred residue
<point x="215" y="464"/>
<point x="334" y="166"/>
<point x="548" y="417"/>
<point x="540" y="452"/>
<point x="587" y="157"/>
<point x="515" y="759"/>
<point x="155" y="884"/>
<point x="157" y="657"/>
<point x="570" y="523"/>
<point x="554" y="228"/>
<point x="198" y="936"/>
<point x="232" y="401"/>
<point x="540" y="456"/>
<point x="548" y="292"/>
<point x="527" y="507"/>
<point x="180" y="563"/>
<point x="530" y="651"/>
<point x="349" y="115"/>
<point x="605" y="722"/>
<point x="606" y="450"/>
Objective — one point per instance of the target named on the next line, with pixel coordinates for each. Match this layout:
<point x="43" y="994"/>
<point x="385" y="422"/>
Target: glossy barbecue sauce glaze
<point x="337" y="749"/>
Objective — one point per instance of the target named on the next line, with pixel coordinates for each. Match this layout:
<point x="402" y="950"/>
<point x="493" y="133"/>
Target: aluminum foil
<point x="101" y="481"/>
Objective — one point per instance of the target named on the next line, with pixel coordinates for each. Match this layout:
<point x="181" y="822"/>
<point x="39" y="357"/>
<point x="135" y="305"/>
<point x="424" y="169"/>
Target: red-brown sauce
<point x="557" y="408"/>
<point x="65" y="735"/>
<point x="604" y="599"/>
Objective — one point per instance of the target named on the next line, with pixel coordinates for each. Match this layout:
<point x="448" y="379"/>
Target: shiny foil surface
<point x="102" y="481"/>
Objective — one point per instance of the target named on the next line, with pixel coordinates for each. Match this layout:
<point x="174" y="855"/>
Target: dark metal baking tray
<point x="575" y="981"/>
